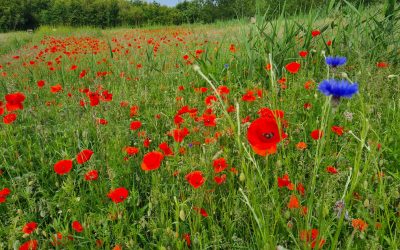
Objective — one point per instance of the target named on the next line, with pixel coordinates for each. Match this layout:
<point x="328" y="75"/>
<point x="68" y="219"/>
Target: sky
<point x="168" y="2"/>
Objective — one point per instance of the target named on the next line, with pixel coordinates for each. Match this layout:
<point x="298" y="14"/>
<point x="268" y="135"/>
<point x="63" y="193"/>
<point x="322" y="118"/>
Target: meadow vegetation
<point x="204" y="136"/>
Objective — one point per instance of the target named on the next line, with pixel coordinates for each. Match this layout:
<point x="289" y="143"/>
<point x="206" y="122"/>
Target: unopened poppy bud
<point x="278" y="163"/>
<point x="366" y="203"/>
<point x="182" y="215"/>
<point x="242" y="177"/>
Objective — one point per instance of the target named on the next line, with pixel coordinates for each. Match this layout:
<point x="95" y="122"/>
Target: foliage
<point x="28" y="14"/>
<point x="105" y="100"/>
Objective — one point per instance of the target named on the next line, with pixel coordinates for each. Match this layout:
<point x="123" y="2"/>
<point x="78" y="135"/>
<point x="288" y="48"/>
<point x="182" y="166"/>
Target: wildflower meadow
<point x="266" y="133"/>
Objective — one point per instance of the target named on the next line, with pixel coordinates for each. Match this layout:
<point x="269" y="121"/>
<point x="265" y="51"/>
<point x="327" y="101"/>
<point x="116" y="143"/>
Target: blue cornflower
<point x="226" y="65"/>
<point x="335" y="61"/>
<point x="338" y="88"/>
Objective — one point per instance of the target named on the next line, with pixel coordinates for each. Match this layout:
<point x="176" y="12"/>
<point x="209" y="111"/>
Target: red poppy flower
<point x="230" y="109"/>
<point x="284" y="181"/>
<point x="55" y="88"/>
<point x="301" y="145"/>
<point x="183" y="110"/>
<point x="317" y="134"/>
<point x="311" y="236"/>
<point x="219" y="165"/>
<point x="10" y="118"/>
<point x="29" y="227"/>
<point x="92" y="175"/>
<point x="263" y="136"/>
<point x="180" y="134"/>
<point x="195" y="179"/>
<point x="249" y="96"/>
<point x="331" y="170"/>
<point x="303" y="53"/>
<point x="118" y="195"/>
<point x="300" y="188"/>
<point x="101" y="121"/>
<point x="359" y="224"/>
<point x="293" y="67"/>
<point x="152" y="161"/>
<point x="220" y="179"/>
<point x="82" y="74"/>
<point x="3" y="194"/>
<point x="186" y="237"/>
<point x="135" y="125"/>
<point x="293" y="202"/>
<point x="232" y="48"/>
<point x="209" y="120"/>
<point x="223" y="90"/>
<point x="84" y="156"/>
<point x="146" y="142"/>
<point x="309" y="85"/>
<point x="201" y="211"/>
<point x="29" y="245"/>
<point x="14" y="101"/>
<point x="106" y="96"/>
<point x="337" y="130"/>
<point x="307" y="106"/>
<point x="271" y="114"/>
<point x="77" y="226"/>
<point x="315" y="33"/>
<point x="63" y="167"/>
<point x="131" y="150"/>
<point x="210" y="99"/>
<point x="382" y="64"/>
<point x="94" y="98"/>
<point x="166" y="149"/>
<point x="133" y="110"/>
<point x="178" y="120"/>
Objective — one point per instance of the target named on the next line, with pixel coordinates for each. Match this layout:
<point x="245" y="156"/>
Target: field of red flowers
<point x="232" y="136"/>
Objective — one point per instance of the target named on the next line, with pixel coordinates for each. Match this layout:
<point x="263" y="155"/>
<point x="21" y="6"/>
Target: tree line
<point x="29" y="14"/>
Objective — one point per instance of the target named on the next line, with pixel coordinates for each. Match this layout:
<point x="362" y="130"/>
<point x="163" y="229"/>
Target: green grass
<point x="13" y="41"/>
<point x="249" y="210"/>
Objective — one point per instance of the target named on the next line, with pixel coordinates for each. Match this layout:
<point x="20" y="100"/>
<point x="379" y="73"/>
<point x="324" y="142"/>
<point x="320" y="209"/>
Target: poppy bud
<point x="366" y="203"/>
<point x="242" y="177"/>
<point x="182" y="215"/>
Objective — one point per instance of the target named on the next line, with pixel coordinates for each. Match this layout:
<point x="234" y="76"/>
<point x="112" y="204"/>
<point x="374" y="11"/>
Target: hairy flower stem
<point x="224" y="110"/>
<point x="318" y="157"/>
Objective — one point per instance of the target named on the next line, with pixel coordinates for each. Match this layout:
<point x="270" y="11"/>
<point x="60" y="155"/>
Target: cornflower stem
<point x="355" y="175"/>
